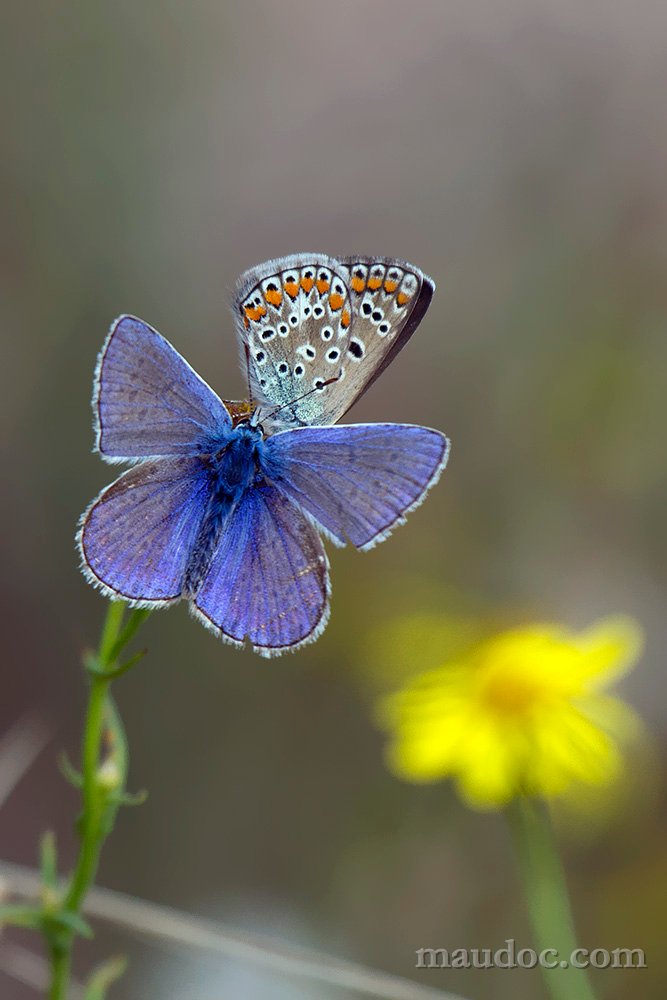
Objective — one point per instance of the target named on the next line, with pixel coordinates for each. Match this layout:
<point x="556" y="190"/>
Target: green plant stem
<point x="547" y="897"/>
<point x="61" y="963"/>
<point x="93" y="800"/>
<point x="101" y="794"/>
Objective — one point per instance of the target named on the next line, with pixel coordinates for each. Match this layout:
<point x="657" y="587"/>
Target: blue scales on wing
<point x="268" y="579"/>
<point x="148" y="401"/>
<point x="357" y="480"/>
<point x="138" y="537"/>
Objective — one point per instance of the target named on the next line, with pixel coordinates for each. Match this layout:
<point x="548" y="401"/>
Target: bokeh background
<point x="517" y="151"/>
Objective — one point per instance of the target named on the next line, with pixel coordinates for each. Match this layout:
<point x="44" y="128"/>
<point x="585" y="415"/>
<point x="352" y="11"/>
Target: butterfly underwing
<point x="312" y="322"/>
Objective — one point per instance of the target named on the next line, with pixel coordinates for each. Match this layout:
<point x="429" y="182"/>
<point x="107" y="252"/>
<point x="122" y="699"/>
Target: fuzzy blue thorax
<point x="233" y="465"/>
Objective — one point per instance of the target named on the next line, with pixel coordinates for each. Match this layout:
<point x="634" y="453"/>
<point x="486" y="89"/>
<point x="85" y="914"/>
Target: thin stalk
<point x="101" y="795"/>
<point x="93" y="796"/>
<point x="547" y="899"/>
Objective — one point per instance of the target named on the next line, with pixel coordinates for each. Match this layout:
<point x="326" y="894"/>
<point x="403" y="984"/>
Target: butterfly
<point x="226" y="501"/>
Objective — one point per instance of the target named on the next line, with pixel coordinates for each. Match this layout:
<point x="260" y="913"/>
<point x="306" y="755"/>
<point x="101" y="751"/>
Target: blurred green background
<point x="517" y="152"/>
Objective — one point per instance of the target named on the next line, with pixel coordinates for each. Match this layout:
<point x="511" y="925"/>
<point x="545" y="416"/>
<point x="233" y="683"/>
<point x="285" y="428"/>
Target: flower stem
<point x="103" y="775"/>
<point x="547" y="899"/>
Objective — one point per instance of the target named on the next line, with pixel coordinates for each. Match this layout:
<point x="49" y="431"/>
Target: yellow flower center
<point x="521" y="671"/>
<point x="511" y="694"/>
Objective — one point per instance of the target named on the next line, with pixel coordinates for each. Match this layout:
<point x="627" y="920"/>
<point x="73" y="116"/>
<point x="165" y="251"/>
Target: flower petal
<point x="610" y="649"/>
<point x="570" y="747"/>
<point x="427" y="752"/>
<point x="488" y="775"/>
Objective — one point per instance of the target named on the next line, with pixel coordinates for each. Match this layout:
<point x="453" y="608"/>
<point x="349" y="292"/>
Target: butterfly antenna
<point x="292" y="402"/>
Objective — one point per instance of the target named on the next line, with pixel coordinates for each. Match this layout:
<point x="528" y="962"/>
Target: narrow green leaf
<point x="73" y="922"/>
<point x="68" y="771"/>
<point x="133" y="624"/>
<point x="116" y="738"/>
<point x="91" y="662"/>
<point x="104" y="977"/>
<point x="21" y="916"/>
<point x="132" y="798"/>
<point x="124" y="667"/>
<point x="49" y="861"/>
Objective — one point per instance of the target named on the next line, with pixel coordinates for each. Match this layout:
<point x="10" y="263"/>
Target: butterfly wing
<point x="268" y="578"/>
<point x="324" y="328"/>
<point x="358" y="480"/>
<point x="389" y="298"/>
<point x="148" y="401"/>
<point x="137" y="538"/>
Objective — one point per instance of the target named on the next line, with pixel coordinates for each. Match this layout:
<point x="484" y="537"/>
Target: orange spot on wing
<point x="390" y="286"/>
<point x="374" y="283"/>
<point x="345" y="319"/>
<point x="322" y="286"/>
<point x="358" y="284"/>
<point x="402" y="298"/>
<point x="274" y="297"/>
<point x="246" y="322"/>
<point x="291" y="288"/>
<point x="307" y="284"/>
<point x="255" y="313"/>
<point x="335" y="301"/>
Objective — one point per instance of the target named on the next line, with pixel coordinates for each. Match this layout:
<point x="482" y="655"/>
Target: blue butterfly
<point x="227" y="500"/>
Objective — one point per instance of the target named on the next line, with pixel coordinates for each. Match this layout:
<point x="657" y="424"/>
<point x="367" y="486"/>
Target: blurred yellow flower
<point x="523" y="713"/>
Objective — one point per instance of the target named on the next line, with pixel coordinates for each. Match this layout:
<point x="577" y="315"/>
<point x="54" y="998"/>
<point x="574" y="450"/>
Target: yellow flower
<point x="524" y="713"/>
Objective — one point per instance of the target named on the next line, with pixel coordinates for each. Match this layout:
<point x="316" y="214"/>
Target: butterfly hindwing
<point x="268" y="578"/>
<point x="318" y="330"/>
<point x="137" y="538"/>
<point x="148" y="401"/>
<point x="357" y="480"/>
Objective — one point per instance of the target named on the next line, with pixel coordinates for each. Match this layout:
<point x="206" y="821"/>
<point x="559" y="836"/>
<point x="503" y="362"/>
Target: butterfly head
<point x="240" y="410"/>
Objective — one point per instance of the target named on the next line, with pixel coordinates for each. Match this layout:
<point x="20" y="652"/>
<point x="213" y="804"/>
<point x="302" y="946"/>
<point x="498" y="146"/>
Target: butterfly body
<point x="234" y="463"/>
<point x="226" y="502"/>
<point x="231" y="468"/>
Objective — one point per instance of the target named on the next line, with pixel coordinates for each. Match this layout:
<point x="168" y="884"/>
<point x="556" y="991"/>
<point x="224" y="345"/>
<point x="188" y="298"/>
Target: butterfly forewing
<point x="147" y="399"/>
<point x="318" y="330"/>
